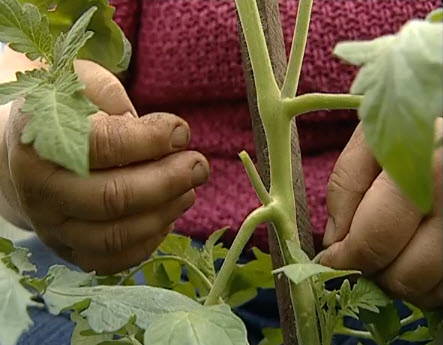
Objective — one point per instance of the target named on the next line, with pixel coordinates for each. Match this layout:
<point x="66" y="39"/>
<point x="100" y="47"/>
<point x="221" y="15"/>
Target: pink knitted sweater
<point x="187" y="61"/>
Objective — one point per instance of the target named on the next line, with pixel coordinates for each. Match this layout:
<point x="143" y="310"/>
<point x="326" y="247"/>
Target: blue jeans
<point x="56" y="330"/>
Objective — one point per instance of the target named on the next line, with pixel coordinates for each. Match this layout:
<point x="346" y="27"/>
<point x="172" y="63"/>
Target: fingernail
<point x="199" y="174"/>
<point x="180" y="137"/>
<point x="329" y="236"/>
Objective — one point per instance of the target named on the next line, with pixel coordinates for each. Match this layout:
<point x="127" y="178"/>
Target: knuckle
<point x="371" y="255"/>
<point x="116" y="238"/>
<point x="116" y="196"/>
<point x="108" y="140"/>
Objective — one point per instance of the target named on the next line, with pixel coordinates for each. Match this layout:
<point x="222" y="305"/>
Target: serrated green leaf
<point x="157" y="275"/>
<point x="67" y="46"/>
<point x="26" y="83"/>
<point x="82" y="325"/>
<point x="385" y="322"/>
<point x="109" y="46"/>
<point x="59" y="126"/>
<point x="421" y="333"/>
<point x="20" y="259"/>
<point x="273" y="336"/>
<point x="435" y="16"/>
<point x="434" y="320"/>
<point x="42" y="5"/>
<point x="367" y="295"/>
<point x="25" y="29"/>
<point x="109" y="308"/>
<point x="206" y="326"/>
<point x="299" y="272"/>
<point x="401" y="83"/>
<point x="14" y="302"/>
<point x="6" y="246"/>
<point x="207" y="258"/>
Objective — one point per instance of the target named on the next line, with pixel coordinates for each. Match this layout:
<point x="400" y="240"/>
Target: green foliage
<point x="384" y="324"/>
<point x="273" y="336"/>
<point x="14" y="302"/>
<point x="109" y="46"/>
<point x="419" y="334"/>
<point x="206" y="326"/>
<point x="299" y="272"/>
<point x="59" y="125"/>
<point x="26" y="30"/>
<point x="81" y="325"/>
<point x="435" y="16"/>
<point x="401" y="82"/>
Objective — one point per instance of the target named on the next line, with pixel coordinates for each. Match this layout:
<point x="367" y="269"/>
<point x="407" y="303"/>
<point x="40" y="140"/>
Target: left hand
<point x="373" y="227"/>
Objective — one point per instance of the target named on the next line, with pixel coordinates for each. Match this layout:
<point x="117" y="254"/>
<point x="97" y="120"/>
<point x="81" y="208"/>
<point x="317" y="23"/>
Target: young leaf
<point x="273" y="336"/>
<point x="208" y="254"/>
<point x="258" y="271"/>
<point x="20" y="259"/>
<point x="67" y="46"/>
<point x="385" y="322"/>
<point x="26" y="83"/>
<point x="26" y="30"/>
<point x="111" y="307"/>
<point x="14" y="302"/>
<point x="299" y="272"/>
<point x="421" y="333"/>
<point x="205" y="326"/>
<point x="401" y="82"/>
<point x="59" y="125"/>
<point x="6" y="246"/>
<point x="42" y="5"/>
<point x="109" y="46"/>
<point x="82" y="325"/>
<point x="435" y="16"/>
<point x="297" y="253"/>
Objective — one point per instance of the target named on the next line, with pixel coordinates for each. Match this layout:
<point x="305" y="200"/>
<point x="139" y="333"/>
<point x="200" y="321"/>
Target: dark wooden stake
<point x="270" y="17"/>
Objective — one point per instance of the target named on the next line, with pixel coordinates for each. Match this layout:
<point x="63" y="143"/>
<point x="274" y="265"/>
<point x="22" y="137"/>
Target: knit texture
<point x="188" y="61"/>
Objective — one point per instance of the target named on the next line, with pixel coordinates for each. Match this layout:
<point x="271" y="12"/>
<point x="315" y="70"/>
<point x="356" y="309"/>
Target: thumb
<point x="103" y="88"/>
<point x="353" y="174"/>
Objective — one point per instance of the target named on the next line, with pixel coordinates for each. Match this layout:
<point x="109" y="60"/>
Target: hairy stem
<point x="292" y="78"/>
<point x="164" y="258"/>
<point x="320" y="101"/>
<point x="257" y="217"/>
<point x="255" y="179"/>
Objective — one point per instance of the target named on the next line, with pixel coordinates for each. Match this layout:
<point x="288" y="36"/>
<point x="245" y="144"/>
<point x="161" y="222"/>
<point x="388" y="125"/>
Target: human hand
<point x="374" y="228"/>
<point x="141" y="181"/>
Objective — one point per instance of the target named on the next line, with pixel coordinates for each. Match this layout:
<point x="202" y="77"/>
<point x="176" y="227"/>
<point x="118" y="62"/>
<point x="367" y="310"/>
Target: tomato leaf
<point x="206" y="326"/>
<point x="25" y="29"/>
<point x="299" y="272"/>
<point x="273" y="336"/>
<point x="421" y="333"/>
<point x="401" y="83"/>
<point x="109" y="46"/>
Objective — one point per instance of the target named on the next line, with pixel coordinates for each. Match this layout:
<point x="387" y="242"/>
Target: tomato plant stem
<point x="290" y="84"/>
<point x="257" y="217"/>
<point x="320" y="101"/>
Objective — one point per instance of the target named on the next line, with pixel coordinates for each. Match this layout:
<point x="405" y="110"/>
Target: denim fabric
<point x="56" y="330"/>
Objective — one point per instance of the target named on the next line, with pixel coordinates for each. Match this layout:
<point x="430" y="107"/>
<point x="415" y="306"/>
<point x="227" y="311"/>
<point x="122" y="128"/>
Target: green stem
<point x="319" y="101"/>
<point x="255" y="179"/>
<point x="258" y="50"/>
<point x="257" y="217"/>
<point x="292" y="78"/>
<point x="376" y="335"/>
<point x="189" y="265"/>
<point x="342" y="330"/>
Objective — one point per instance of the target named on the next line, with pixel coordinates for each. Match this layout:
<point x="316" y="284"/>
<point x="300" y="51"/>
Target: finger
<point x="419" y="267"/>
<point x="110" y="194"/>
<point x="120" y="140"/>
<point x="103" y="88"/>
<point x="111" y="264"/>
<point x="353" y="174"/>
<point x="384" y="222"/>
<point x="122" y="234"/>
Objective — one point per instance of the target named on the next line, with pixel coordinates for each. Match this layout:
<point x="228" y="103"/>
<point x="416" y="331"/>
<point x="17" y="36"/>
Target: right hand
<point x="142" y="179"/>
